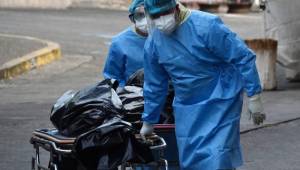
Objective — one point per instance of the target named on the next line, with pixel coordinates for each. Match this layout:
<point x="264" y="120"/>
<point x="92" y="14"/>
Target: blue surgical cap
<point x="158" y="6"/>
<point x="134" y="4"/>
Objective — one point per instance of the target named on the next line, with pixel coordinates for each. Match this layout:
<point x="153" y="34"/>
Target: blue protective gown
<point x="125" y="56"/>
<point x="209" y="67"/>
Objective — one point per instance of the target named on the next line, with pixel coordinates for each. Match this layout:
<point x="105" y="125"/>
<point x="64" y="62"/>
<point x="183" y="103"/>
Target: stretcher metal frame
<point x="60" y="145"/>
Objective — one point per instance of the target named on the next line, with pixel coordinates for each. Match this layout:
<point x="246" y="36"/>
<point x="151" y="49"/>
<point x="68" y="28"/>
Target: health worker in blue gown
<point x="126" y="51"/>
<point x="210" y="68"/>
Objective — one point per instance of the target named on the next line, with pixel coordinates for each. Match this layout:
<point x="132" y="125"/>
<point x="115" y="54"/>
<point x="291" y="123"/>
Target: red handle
<point x="164" y="126"/>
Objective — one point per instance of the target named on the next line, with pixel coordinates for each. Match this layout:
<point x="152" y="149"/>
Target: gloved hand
<point x="255" y="109"/>
<point x="147" y="129"/>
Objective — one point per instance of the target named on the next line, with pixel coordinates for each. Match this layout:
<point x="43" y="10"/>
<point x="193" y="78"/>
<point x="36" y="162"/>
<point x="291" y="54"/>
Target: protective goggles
<point x="138" y="15"/>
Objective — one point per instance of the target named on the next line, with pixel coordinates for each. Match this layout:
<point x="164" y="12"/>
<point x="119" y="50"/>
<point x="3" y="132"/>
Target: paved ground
<point x="275" y="148"/>
<point x="84" y="35"/>
<point x="84" y="31"/>
<point x="11" y="48"/>
<point x="78" y="31"/>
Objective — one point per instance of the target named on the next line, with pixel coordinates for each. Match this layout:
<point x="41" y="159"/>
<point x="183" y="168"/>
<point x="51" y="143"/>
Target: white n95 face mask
<point x="166" y="23"/>
<point x="142" y="25"/>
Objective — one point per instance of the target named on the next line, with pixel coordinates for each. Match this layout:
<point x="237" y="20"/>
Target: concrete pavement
<point x="11" y="48"/>
<point x="18" y="58"/>
<point x="25" y="102"/>
<point x="279" y="105"/>
<point x="273" y="148"/>
<point x="84" y="32"/>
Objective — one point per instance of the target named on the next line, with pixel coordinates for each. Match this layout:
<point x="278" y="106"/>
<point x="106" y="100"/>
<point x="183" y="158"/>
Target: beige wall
<point x="62" y="4"/>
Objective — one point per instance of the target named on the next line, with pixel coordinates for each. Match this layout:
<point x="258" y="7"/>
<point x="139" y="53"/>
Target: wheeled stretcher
<point x="61" y="153"/>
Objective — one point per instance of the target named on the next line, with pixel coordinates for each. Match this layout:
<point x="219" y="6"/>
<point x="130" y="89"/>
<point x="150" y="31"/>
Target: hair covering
<point x="134" y="4"/>
<point x="158" y="6"/>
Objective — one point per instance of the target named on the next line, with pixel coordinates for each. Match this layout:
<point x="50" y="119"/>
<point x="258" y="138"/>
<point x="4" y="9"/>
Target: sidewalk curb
<point x="30" y="61"/>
